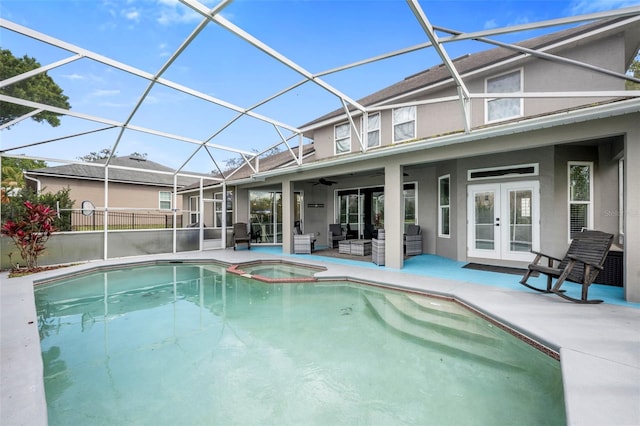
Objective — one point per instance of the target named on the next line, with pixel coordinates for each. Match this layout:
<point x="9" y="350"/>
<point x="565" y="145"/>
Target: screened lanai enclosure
<point x="209" y="94"/>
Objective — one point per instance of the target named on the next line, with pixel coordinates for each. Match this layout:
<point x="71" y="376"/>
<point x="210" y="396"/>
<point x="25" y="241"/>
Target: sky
<point x="317" y="35"/>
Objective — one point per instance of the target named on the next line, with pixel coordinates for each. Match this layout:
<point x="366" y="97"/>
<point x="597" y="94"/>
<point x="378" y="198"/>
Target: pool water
<point x="192" y="345"/>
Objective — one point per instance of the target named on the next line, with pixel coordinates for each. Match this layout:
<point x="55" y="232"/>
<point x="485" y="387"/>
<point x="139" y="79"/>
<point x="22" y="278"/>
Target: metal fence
<point x="121" y="220"/>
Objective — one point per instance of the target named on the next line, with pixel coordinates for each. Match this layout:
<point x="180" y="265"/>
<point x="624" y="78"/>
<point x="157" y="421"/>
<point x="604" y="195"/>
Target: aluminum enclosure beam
<point x="201" y="9"/>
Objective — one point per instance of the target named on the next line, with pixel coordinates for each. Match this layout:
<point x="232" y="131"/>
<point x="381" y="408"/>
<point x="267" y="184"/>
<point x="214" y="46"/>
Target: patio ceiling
<point x="285" y="135"/>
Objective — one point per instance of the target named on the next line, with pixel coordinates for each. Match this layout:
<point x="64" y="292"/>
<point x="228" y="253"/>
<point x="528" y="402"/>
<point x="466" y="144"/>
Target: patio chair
<point x="241" y="235"/>
<point x="582" y="263"/>
<point x="303" y="243"/>
<point x="413" y="240"/>
<point x="378" y="249"/>
<point x="335" y="235"/>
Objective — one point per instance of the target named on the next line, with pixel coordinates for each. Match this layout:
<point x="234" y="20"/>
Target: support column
<point x="287" y="216"/>
<point x="632" y="215"/>
<point x="393" y="216"/>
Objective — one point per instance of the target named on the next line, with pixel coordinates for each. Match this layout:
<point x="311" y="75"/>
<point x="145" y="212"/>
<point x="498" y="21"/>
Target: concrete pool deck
<point x="599" y="345"/>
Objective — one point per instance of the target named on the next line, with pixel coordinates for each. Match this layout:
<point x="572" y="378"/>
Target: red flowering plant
<point x="31" y="232"/>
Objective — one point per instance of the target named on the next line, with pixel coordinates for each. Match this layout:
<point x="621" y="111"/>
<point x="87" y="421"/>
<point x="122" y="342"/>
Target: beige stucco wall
<point x="121" y="195"/>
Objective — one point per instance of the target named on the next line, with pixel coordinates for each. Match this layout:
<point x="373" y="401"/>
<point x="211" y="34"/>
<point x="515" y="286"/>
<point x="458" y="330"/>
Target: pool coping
<point x="599" y="344"/>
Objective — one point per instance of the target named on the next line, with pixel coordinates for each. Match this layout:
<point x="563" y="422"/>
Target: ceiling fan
<point x="323" y="181"/>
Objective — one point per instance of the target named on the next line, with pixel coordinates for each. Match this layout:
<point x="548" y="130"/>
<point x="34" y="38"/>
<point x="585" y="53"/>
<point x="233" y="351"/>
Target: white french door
<point x="503" y="220"/>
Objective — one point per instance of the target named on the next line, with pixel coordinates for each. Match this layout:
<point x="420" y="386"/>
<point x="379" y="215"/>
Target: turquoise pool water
<point x="193" y="345"/>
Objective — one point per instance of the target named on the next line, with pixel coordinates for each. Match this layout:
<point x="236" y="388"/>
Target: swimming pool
<point x="191" y="344"/>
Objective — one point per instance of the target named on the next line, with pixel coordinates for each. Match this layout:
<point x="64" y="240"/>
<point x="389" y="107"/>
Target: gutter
<point x="37" y="181"/>
<point x="593" y="113"/>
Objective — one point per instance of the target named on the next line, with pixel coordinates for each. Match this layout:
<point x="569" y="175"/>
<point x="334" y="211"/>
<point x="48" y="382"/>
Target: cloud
<point x="491" y="23"/>
<point x="73" y="76"/>
<point x="579" y="7"/>
<point x="101" y="93"/>
<point x="174" y="12"/>
<point x="131" y="15"/>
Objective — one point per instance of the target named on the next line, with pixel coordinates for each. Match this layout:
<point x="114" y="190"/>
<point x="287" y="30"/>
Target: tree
<point x="106" y="153"/>
<point x="39" y="88"/>
<point x="12" y="171"/>
<point x="236" y="162"/>
<point x="95" y="156"/>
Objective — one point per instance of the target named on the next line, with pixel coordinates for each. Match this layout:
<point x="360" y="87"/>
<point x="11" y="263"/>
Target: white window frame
<point x="535" y="172"/>
<point x="488" y="101"/>
<point x="194" y="209"/>
<point x="161" y="200"/>
<point x="398" y="123"/>
<point x="373" y="130"/>
<point x="571" y="202"/>
<point x="336" y="139"/>
<point x="441" y="208"/>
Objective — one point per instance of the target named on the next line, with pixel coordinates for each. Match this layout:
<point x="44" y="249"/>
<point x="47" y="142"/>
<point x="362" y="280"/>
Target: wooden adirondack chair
<point x="582" y="263"/>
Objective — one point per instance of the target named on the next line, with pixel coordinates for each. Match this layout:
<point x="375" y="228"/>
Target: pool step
<point x="445" y="317"/>
<point x="450" y="335"/>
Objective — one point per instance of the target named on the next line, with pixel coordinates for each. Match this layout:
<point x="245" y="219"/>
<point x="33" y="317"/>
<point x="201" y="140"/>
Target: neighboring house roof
<point x="471" y="62"/>
<point x="271" y="162"/>
<point x="138" y="177"/>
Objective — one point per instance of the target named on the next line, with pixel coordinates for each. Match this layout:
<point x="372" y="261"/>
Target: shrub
<point x="31" y="231"/>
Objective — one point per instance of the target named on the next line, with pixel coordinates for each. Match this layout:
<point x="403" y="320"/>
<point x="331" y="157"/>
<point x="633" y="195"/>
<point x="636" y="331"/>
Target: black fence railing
<point x="121" y="220"/>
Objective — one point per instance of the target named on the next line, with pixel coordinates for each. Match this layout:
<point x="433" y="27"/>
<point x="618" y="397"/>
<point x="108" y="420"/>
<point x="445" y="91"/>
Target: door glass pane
<point x="409" y="197"/>
<point x="353" y="217"/>
<point x="261" y="214"/>
<point x="278" y="217"/>
<point x="484" y="215"/>
<point x="520" y="224"/>
<point x="377" y="209"/>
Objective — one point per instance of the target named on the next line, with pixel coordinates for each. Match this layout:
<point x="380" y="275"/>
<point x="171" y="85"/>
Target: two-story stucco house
<point x="515" y="150"/>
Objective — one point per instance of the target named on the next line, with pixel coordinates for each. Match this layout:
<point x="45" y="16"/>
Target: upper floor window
<point x="342" y="136"/>
<point x="165" y="200"/>
<point x="504" y="108"/>
<point x="404" y="123"/>
<point x="217" y="217"/>
<point x="443" y="206"/>
<point x="373" y="130"/>
<point x="580" y="196"/>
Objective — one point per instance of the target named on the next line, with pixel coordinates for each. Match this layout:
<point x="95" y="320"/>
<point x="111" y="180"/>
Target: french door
<point x="503" y="220"/>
